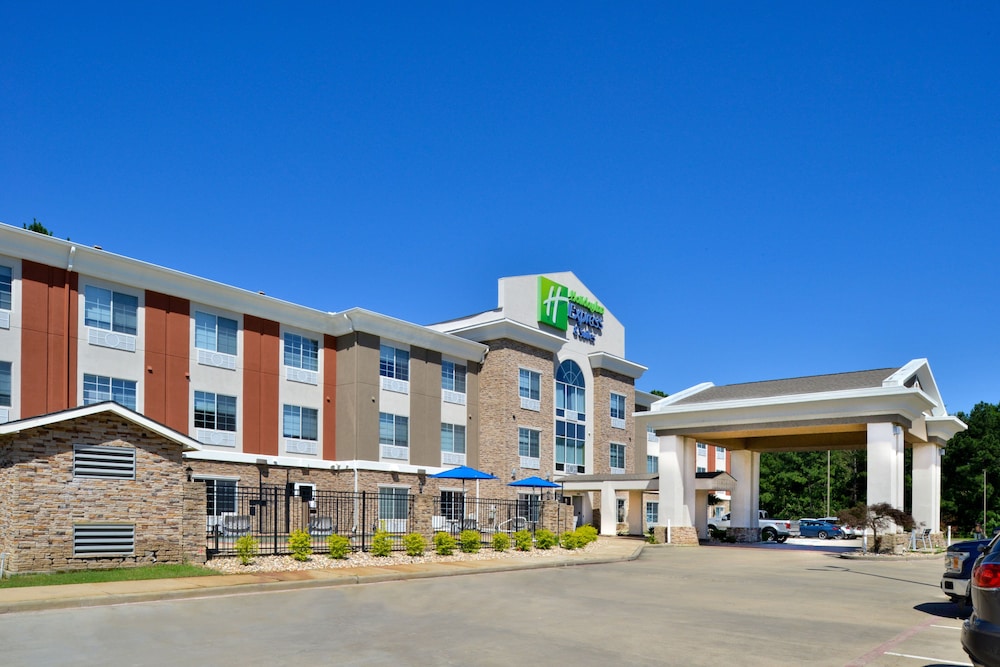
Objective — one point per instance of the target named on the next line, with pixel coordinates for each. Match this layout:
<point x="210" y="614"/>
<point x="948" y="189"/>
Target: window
<point x="5" y="384"/>
<point x="112" y="311"/>
<point x="301" y="352"/>
<point x="220" y="496"/>
<point x="300" y="423"/>
<point x="104" y="539"/>
<point x="527" y="448"/>
<point x="571" y="427"/>
<point x="393" y="436"/>
<point x="453" y="377"/>
<point x="104" y="462"/>
<point x="652" y="513"/>
<point x="528" y="505"/>
<point x="97" y="389"/>
<point x="393" y="508"/>
<point x="720" y="458"/>
<point x="621" y="509"/>
<point x="529" y="385"/>
<point x="6" y="280"/>
<point x="394" y="363"/>
<point x="453" y="438"/>
<point x="216" y="334"/>
<point x="453" y="505"/>
<point x="652" y="463"/>
<point x="214" y="411"/>
<point x="617" y="457"/>
<point x="701" y="469"/>
<point x="702" y="448"/>
<point x="617" y="411"/>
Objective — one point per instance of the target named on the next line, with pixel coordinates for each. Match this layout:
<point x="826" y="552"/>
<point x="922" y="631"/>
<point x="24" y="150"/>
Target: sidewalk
<point x="35" y="598"/>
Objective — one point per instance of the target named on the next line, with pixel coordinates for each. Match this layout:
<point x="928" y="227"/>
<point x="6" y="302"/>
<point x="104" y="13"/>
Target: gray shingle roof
<point x="804" y="385"/>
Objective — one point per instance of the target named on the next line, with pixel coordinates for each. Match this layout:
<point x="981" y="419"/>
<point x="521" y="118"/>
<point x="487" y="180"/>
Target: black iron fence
<point x="456" y="512"/>
<point x="270" y="513"/>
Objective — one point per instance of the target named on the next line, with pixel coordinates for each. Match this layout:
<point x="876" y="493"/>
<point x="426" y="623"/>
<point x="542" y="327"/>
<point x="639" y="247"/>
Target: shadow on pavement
<point x="945" y="609"/>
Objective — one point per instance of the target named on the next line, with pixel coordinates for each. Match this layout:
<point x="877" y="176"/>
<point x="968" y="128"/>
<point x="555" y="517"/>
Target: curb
<point x="279" y="584"/>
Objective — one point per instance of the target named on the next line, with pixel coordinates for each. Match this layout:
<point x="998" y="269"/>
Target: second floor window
<point x="393" y="430"/>
<point x="527" y="443"/>
<point x="5" y="384"/>
<point x="6" y="278"/>
<point x="452" y="377"/>
<point x="214" y="411"/>
<point x="98" y="388"/>
<point x="529" y="384"/>
<point x="617" y="406"/>
<point x="301" y="352"/>
<point x="300" y="423"/>
<point x="617" y="456"/>
<point x="652" y="464"/>
<point x="112" y="311"/>
<point x="213" y="333"/>
<point x="453" y="438"/>
<point x="394" y="363"/>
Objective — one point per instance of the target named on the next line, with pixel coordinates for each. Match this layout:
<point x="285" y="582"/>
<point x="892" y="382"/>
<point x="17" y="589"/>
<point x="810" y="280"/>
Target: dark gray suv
<point x="981" y="632"/>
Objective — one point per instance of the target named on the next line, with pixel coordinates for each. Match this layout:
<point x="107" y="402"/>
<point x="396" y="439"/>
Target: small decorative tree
<point x="879" y="517"/>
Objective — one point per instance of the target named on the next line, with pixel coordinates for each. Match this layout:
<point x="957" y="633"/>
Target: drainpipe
<point x="3" y="561"/>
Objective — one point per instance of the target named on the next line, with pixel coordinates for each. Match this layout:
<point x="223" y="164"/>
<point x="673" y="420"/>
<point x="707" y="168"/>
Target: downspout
<point x="3" y="562"/>
<point x="69" y="328"/>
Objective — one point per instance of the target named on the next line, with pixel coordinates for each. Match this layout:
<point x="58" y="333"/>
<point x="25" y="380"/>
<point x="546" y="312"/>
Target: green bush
<point x="414" y="544"/>
<point x="501" y="542"/>
<point x="470" y="541"/>
<point x="650" y="536"/>
<point x="444" y="544"/>
<point x="381" y="544"/>
<point x="300" y="544"/>
<point x="571" y="539"/>
<point x="587" y="534"/>
<point x="545" y="539"/>
<point x="339" y="546"/>
<point x="246" y="548"/>
<point x="522" y="540"/>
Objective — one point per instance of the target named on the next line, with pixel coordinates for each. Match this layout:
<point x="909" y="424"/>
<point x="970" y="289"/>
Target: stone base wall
<point x="744" y="535"/>
<point x="681" y="535"/>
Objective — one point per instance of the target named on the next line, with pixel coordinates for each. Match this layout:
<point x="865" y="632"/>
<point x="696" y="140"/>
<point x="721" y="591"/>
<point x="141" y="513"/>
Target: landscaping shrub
<point x="571" y="539"/>
<point x="339" y="546"/>
<point x="381" y="544"/>
<point x="587" y="534"/>
<point x="444" y="544"/>
<point x="501" y="542"/>
<point x="414" y="544"/>
<point x="522" y="540"/>
<point x="300" y="544"/>
<point x="246" y="548"/>
<point x="650" y="536"/>
<point x="545" y="539"/>
<point x="470" y="541"/>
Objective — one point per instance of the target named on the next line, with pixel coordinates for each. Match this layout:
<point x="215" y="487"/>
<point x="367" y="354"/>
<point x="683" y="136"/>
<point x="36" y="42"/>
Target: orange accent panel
<point x="178" y="361"/>
<point x="56" y="341"/>
<point x="154" y="397"/>
<point x="261" y="351"/>
<point x="73" y="339"/>
<point x="34" y="331"/>
<point x="329" y="434"/>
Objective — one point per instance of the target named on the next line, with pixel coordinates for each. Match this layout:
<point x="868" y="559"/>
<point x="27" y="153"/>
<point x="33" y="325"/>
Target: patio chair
<point x="321" y="526"/>
<point x="235" y="525"/>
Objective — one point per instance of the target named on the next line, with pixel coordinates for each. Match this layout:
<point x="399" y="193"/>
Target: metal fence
<point x="270" y="513"/>
<point x="456" y="512"/>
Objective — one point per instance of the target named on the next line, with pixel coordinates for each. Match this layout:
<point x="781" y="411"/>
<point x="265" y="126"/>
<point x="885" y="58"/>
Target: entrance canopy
<point x="882" y="410"/>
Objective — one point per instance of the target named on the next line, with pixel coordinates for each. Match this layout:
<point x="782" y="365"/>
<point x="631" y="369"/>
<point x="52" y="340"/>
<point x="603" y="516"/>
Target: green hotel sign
<point x="558" y="305"/>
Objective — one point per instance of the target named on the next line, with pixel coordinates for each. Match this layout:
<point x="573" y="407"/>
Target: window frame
<point x="118" y="307"/>
<point x="213" y="335"/>
<point x="298" y="412"/>
<point x="652" y="464"/>
<point x="220" y="421"/>
<point x="121" y="390"/>
<point x="6" y="384"/>
<point x="616" y="450"/>
<point x="398" y="366"/>
<point x="6" y="288"/>
<point x="455" y="378"/>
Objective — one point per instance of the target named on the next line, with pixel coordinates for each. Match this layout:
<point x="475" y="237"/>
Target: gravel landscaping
<point x="363" y="559"/>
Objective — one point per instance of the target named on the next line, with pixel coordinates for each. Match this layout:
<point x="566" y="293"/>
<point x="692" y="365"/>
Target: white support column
<point x="677" y="468"/>
<point x="927" y="486"/>
<point x="885" y="464"/>
<point x="636" y="512"/>
<point x="609" y="510"/>
<point x="746" y="496"/>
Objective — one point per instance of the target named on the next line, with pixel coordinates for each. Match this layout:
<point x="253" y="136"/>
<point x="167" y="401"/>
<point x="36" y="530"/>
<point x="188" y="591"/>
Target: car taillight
<point x="986" y="575"/>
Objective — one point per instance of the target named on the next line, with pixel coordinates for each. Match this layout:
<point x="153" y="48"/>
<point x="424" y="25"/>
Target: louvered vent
<point x="104" y="462"/>
<point x="113" y="539"/>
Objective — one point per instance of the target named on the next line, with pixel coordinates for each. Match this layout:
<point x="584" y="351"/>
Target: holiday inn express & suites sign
<point x="558" y="305"/>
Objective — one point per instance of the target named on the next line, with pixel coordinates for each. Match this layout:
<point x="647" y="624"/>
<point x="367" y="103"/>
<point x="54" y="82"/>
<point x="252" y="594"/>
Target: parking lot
<point x="728" y="605"/>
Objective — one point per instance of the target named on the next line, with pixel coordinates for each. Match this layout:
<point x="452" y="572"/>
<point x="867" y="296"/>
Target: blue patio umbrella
<point x="463" y="473"/>
<point x="535" y="482"/>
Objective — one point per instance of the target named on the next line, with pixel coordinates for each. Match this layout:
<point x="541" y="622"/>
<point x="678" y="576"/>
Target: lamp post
<point x="828" y="482"/>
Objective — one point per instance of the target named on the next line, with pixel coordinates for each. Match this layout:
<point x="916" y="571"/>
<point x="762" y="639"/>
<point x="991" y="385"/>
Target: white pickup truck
<point x="771" y="530"/>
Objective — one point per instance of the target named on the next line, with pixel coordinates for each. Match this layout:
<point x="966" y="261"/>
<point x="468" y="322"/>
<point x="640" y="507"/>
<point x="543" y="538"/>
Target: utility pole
<point x="828" y="482"/>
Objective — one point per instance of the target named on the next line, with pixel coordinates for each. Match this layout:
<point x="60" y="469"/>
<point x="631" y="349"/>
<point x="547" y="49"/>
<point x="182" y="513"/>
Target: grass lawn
<point x="98" y="576"/>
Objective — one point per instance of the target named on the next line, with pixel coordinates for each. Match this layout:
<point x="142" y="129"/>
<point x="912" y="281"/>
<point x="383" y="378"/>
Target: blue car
<point x="824" y="530"/>
<point x="958" y="562"/>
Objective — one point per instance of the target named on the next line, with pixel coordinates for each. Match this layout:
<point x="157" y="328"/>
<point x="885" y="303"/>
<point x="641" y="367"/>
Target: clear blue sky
<point x="756" y="190"/>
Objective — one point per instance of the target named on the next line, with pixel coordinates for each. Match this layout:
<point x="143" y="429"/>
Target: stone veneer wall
<point x="681" y="535"/>
<point x="43" y="501"/>
<point x="501" y="415"/>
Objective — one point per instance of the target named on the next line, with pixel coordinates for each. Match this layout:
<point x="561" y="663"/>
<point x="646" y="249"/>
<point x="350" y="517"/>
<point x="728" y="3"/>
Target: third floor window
<point x="301" y="352"/>
<point x="112" y="311"/>
<point x="213" y="333"/>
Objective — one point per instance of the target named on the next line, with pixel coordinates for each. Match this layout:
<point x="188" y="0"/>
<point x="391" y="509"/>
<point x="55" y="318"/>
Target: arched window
<point x="571" y="418"/>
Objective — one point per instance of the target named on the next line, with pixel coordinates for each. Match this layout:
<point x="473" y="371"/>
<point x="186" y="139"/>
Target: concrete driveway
<point x="672" y="606"/>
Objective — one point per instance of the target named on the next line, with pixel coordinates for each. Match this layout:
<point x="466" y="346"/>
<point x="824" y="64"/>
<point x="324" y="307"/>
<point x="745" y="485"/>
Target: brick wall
<point x="43" y="501"/>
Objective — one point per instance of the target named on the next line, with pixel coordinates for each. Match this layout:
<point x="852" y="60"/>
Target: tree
<point x="879" y="517"/>
<point x="968" y="455"/>
<point x="658" y="392"/>
<point x="38" y="227"/>
<point x="793" y="484"/>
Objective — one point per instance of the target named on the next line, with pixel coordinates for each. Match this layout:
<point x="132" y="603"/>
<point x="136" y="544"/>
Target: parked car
<point x="847" y="532"/>
<point x="824" y="530"/>
<point x="958" y="562"/>
<point x="981" y="631"/>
